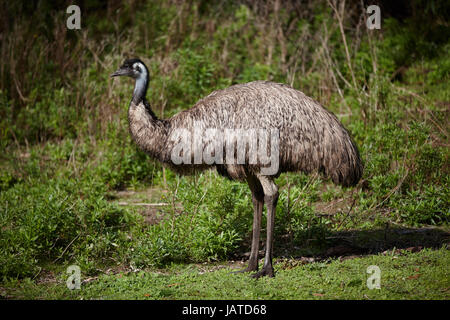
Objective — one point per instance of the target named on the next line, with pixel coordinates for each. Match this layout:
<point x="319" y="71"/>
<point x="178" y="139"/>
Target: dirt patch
<point x="329" y="208"/>
<point x="148" y="202"/>
<point x="363" y="242"/>
<point x="151" y="215"/>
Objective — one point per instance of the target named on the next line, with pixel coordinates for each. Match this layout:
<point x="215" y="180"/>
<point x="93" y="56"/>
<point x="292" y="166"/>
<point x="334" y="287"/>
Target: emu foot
<point x="265" y="271"/>
<point x="248" y="269"/>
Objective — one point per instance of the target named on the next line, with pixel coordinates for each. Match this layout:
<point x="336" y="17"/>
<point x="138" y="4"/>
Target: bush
<point x="210" y="226"/>
<point x="58" y="219"/>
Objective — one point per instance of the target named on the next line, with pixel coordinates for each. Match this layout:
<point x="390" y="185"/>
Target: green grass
<point x="67" y="160"/>
<point x="404" y="275"/>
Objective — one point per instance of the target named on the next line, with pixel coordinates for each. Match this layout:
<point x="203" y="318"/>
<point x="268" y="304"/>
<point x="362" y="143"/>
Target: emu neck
<point x="149" y="133"/>
<point x="140" y="88"/>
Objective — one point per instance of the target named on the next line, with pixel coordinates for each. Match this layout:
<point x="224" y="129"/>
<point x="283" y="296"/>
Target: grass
<point x="74" y="189"/>
<point x="404" y="275"/>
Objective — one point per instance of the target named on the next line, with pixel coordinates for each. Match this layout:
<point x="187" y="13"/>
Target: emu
<point x="310" y="139"/>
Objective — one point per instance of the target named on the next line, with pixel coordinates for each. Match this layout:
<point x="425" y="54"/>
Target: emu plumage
<point x="311" y="139"/>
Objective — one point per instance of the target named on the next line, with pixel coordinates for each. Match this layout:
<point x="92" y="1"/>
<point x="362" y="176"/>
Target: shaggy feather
<point x="311" y="138"/>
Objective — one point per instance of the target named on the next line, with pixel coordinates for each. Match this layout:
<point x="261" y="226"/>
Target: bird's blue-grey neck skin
<point x="140" y="88"/>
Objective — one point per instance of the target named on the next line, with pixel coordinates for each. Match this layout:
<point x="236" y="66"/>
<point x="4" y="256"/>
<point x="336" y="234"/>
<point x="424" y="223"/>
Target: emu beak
<point x="121" y="72"/>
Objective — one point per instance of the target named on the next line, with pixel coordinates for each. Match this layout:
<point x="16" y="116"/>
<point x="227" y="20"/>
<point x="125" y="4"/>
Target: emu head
<point x="137" y="70"/>
<point x="133" y="68"/>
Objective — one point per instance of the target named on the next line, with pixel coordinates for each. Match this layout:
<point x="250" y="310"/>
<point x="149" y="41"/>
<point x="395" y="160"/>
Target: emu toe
<point x="265" y="271"/>
<point x="248" y="269"/>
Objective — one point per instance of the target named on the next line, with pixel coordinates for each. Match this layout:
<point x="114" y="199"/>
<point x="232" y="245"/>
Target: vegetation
<point x="67" y="159"/>
<point x="404" y="275"/>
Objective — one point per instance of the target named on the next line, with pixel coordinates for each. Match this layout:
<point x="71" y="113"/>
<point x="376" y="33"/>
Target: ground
<point x="413" y="264"/>
<point x="404" y="275"/>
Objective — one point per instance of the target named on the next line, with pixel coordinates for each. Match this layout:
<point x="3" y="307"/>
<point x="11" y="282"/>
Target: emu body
<point x="311" y="139"/>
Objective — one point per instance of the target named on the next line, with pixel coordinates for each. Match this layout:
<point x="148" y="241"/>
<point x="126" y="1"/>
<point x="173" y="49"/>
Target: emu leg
<point x="258" y="205"/>
<point x="271" y="199"/>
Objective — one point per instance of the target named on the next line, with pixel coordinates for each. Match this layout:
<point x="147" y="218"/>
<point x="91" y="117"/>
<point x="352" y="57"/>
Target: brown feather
<point x="311" y="138"/>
